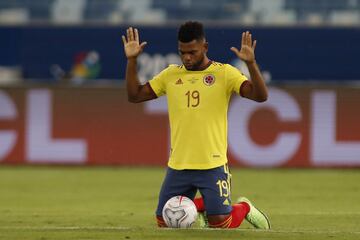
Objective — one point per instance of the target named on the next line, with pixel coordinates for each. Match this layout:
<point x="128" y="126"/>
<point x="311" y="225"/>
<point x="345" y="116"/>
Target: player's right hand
<point x="132" y="46"/>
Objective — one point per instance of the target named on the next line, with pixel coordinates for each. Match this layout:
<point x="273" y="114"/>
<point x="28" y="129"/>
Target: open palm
<point x="132" y="46"/>
<point x="247" y="50"/>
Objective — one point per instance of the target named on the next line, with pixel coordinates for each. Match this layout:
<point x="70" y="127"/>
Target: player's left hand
<point x="247" y="51"/>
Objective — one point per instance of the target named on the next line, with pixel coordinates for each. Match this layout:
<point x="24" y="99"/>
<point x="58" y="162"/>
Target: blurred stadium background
<point x="62" y="69"/>
<point x="63" y="102"/>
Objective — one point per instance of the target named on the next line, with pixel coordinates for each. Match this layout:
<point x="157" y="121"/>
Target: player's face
<point x="193" y="53"/>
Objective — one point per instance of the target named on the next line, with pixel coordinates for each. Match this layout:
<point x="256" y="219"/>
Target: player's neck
<point x="204" y="65"/>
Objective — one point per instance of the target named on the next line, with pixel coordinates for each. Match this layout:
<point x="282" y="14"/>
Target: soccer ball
<point x="179" y="212"/>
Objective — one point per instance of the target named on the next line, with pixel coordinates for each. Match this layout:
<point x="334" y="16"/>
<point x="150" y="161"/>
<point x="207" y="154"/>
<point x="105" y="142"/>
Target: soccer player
<point x="198" y="94"/>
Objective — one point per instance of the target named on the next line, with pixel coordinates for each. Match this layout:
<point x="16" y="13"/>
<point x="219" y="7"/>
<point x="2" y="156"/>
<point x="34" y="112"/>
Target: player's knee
<point x="219" y="221"/>
<point x="160" y="221"/>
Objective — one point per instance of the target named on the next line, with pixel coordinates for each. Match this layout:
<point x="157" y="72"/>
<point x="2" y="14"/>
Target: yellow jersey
<point x="198" y="103"/>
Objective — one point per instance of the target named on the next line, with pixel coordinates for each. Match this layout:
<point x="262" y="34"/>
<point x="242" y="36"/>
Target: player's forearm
<point x="259" y="90"/>
<point x="132" y="80"/>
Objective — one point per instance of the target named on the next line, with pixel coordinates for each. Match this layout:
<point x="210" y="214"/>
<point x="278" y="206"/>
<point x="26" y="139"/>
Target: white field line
<point x="316" y="213"/>
<point x="96" y="228"/>
<point x="314" y="231"/>
<point x="48" y="228"/>
<point x="270" y="231"/>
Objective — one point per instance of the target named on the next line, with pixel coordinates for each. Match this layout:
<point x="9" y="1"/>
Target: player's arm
<point x="255" y="89"/>
<point x="132" y="47"/>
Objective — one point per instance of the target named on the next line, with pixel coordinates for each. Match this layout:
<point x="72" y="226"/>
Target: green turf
<point x="118" y="203"/>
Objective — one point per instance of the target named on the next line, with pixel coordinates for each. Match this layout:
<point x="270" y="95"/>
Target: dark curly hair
<point x="190" y="31"/>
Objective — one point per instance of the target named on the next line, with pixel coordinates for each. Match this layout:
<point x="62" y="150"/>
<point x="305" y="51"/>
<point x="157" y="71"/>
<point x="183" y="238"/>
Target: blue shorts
<point x="213" y="184"/>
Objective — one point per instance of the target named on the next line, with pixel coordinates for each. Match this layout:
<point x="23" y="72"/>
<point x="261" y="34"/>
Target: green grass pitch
<point x="118" y="203"/>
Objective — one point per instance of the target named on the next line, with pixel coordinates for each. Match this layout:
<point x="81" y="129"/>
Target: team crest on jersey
<point x="209" y="80"/>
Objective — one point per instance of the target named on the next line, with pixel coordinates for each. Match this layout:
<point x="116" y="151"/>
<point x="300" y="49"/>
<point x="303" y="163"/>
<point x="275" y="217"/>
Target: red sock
<point x="199" y="203"/>
<point x="239" y="212"/>
<point x="160" y="221"/>
<point x="235" y="218"/>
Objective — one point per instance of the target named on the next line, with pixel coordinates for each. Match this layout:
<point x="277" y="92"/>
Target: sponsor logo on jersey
<point x="179" y="82"/>
<point x="209" y="80"/>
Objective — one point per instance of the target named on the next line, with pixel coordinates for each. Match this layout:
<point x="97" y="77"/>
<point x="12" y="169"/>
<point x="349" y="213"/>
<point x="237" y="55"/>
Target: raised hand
<point x="132" y="46"/>
<point x="247" y="51"/>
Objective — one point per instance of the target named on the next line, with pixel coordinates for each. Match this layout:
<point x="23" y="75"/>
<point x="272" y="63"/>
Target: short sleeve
<point x="157" y="83"/>
<point x="234" y="79"/>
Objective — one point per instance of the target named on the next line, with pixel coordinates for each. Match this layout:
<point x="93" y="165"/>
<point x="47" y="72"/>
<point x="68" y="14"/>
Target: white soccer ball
<point x="179" y="212"/>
